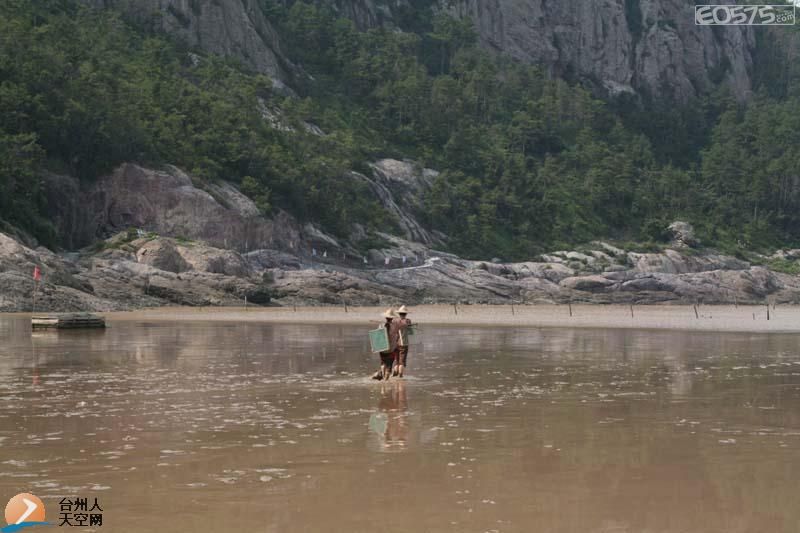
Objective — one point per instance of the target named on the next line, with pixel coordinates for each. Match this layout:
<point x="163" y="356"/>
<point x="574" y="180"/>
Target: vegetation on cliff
<point x="527" y="163"/>
<point x="82" y="91"/>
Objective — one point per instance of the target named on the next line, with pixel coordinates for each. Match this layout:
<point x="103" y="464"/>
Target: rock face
<point x="668" y="277"/>
<point x="144" y="272"/>
<point x="232" y="28"/>
<point x="180" y="244"/>
<point x="367" y="13"/>
<point x="131" y="272"/>
<point x="683" y="235"/>
<point x="162" y="254"/>
<point x="168" y="203"/>
<point x="401" y="186"/>
<point x="624" y="45"/>
<point x="650" y="47"/>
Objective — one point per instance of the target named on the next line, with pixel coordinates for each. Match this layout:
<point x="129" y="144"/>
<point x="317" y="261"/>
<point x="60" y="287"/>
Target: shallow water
<point x="190" y="426"/>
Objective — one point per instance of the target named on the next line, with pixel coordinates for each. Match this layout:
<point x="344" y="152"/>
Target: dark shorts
<point x="403" y="355"/>
<point x="387" y="358"/>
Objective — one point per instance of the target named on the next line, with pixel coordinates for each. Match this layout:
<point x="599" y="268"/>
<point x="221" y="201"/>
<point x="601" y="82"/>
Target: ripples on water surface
<point x="257" y="427"/>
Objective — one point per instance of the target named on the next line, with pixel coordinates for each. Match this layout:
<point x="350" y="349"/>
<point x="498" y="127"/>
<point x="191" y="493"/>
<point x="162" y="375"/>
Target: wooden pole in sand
<point x="245" y="302"/>
<point x="570" y="308"/>
<point x="512" y="310"/>
<point x="695" y="312"/>
<point x="455" y="309"/>
<point x="345" y="306"/>
<point x="767" y="311"/>
<point x="631" y="310"/>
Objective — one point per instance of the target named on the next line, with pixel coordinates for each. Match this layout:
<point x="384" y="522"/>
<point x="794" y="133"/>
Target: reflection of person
<point x="402" y="356"/>
<point x="395" y="404"/>
<point x="388" y="357"/>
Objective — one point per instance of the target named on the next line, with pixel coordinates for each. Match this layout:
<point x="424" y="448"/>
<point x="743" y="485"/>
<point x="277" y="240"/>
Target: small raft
<point x="68" y="321"/>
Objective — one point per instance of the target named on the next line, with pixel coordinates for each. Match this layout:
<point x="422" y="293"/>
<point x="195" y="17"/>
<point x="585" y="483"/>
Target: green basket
<point x="379" y="340"/>
<point x="408" y="335"/>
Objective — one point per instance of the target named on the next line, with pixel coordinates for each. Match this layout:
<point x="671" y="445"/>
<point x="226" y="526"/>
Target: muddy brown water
<point x="213" y="426"/>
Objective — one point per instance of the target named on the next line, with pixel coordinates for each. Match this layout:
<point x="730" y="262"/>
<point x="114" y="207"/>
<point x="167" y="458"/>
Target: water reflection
<point x="391" y="422"/>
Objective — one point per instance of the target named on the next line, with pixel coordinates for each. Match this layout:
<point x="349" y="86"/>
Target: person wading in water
<point x="388" y="357"/>
<point x="402" y="356"/>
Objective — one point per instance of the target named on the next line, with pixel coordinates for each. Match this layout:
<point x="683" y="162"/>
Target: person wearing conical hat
<point x="388" y="357"/>
<point x="402" y="348"/>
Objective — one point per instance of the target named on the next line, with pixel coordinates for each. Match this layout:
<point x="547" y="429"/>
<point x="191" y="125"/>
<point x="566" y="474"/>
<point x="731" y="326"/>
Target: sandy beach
<point x="702" y="318"/>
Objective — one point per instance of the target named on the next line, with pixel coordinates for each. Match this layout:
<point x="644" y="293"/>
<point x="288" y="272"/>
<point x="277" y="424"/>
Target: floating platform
<point x="68" y="321"/>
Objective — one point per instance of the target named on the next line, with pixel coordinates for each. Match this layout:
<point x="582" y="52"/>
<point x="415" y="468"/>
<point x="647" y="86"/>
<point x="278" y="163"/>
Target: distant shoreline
<point x="783" y="319"/>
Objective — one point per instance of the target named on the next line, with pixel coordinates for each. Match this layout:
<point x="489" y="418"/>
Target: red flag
<point x="37" y="274"/>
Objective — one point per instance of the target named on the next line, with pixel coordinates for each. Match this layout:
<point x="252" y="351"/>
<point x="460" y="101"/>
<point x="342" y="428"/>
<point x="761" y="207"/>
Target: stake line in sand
<point x="672" y="317"/>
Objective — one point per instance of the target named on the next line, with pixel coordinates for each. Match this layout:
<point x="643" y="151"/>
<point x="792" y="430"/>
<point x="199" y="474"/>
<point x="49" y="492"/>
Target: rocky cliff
<point x="176" y="242"/>
<point x="130" y="271"/>
<point x="231" y="28"/>
<point x="623" y="45"/>
<point x="169" y="202"/>
<point x="648" y="47"/>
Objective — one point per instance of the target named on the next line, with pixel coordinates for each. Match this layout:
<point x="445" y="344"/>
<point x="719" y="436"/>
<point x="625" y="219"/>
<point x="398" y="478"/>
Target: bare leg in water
<point x="385" y="370"/>
<point x="400" y="362"/>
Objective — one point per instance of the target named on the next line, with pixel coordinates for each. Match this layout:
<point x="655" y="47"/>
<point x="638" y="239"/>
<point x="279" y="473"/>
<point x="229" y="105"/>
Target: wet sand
<point x="222" y="425"/>
<point x="664" y="317"/>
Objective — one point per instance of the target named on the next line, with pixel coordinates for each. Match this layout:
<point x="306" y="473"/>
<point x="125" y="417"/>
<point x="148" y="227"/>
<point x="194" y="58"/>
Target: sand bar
<point x="784" y="319"/>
